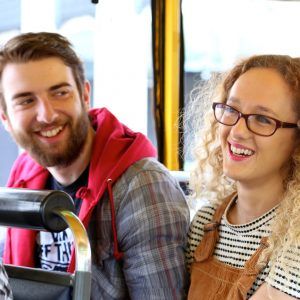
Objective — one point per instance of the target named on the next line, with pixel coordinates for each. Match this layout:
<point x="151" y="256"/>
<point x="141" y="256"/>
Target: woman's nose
<point x="240" y="129"/>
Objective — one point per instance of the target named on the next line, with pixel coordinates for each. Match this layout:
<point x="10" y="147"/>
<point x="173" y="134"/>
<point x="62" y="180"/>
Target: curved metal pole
<point x="82" y="286"/>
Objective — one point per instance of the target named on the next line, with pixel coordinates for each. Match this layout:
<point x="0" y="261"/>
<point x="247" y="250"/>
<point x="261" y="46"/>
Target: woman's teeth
<point x="240" y="151"/>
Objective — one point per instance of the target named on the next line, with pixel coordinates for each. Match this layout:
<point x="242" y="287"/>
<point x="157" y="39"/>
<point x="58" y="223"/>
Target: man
<point x="135" y="213"/>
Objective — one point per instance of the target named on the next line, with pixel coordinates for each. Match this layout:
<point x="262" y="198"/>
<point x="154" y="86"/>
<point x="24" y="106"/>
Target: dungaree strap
<point x="211" y="233"/>
<point x="251" y="267"/>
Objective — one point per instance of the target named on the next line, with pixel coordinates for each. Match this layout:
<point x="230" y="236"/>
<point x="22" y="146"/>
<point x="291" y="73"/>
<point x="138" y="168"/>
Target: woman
<point x="245" y="244"/>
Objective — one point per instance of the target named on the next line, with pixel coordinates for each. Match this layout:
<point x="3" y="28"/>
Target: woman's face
<point x="259" y="91"/>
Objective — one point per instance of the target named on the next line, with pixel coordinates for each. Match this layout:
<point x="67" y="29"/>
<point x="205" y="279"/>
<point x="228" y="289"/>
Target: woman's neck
<point x="254" y="201"/>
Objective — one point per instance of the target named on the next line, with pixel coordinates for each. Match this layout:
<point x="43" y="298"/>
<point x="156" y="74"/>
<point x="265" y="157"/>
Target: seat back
<point x="183" y="178"/>
<point x="29" y="283"/>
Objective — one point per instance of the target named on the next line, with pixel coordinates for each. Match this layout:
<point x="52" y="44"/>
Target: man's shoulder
<point x="25" y="161"/>
<point x="151" y="168"/>
<point x="24" y="168"/>
<point x="149" y="163"/>
<point x="24" y="158"/>
<point x="148" y="176"/>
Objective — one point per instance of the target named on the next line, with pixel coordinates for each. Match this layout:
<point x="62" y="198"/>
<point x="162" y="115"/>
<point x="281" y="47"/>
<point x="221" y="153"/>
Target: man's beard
<point x="63" y="158"/>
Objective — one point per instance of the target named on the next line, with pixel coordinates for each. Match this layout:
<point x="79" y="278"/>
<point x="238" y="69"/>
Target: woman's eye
<point x="263" y="119"/>
<point x="229" y="110"/>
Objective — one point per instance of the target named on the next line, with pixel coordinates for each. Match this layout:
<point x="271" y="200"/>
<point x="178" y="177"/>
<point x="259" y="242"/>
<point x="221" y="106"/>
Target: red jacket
<point x="115" y="148"/>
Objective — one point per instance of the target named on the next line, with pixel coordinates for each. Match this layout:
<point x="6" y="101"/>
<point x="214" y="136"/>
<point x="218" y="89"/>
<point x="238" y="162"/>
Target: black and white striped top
<point x="236" y="245"/>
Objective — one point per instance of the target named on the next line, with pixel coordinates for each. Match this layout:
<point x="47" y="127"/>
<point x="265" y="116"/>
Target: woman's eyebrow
<point x="265" y="110"/>
<point x="233" y="100"/>
<point x="259" y="108"/>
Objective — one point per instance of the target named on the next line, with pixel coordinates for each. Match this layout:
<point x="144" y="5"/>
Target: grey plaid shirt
<point x="152" y="219"/>
<point x="5" y="291"/>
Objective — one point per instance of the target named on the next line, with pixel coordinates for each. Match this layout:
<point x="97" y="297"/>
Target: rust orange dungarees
<point x="215" y="280"/>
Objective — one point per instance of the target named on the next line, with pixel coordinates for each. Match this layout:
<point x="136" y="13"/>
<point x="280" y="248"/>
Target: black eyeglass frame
<point x="279" y="124"/>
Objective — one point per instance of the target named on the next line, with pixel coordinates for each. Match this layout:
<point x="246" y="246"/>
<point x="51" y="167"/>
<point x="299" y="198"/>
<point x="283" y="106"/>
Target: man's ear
<point x="4" y="120"/>
<point x="298" y="134"/>
<point x="86" y="95"/>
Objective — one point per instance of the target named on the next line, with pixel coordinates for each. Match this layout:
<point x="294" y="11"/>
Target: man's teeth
<point x="240" y="151"/>
<point x="52" y="132"/>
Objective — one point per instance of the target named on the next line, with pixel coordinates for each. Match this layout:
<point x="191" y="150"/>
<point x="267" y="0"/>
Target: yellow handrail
<point x="172" y="83"/>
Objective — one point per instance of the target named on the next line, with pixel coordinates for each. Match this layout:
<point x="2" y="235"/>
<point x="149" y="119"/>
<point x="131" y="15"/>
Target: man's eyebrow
<point x="52" y="88"/>
<point x="20" y="95"/>
<point x="58" y="86"/>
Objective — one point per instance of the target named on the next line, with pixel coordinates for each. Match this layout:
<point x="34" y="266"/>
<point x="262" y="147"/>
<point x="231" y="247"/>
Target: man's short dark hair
<point x="34" y="46"/>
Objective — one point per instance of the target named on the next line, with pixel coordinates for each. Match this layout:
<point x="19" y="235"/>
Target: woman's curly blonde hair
<point x="207" y="178"/>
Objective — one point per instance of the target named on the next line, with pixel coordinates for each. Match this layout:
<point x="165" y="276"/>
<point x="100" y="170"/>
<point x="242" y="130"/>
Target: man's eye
<point x="61" y="93"/>
<point x="24" y="102"/>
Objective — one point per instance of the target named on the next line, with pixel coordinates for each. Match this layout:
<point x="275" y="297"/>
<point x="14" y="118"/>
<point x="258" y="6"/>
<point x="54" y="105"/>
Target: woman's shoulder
<point x="203" y="216"/>
<point x="285" y="274"/>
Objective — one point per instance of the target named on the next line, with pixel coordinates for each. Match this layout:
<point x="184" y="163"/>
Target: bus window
<point x="112" y="37"/>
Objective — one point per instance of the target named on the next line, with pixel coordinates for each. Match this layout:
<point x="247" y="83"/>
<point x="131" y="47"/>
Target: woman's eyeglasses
<point x="258" y="124"/>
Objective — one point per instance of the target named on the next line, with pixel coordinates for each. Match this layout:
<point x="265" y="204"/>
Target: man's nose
<point x="46" y="112"/>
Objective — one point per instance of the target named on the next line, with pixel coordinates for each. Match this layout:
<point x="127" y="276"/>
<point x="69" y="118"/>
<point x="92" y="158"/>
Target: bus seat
<point x="29" y="283"/>
<point x="52" y="211"/>
<point x="183" y="178"/>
